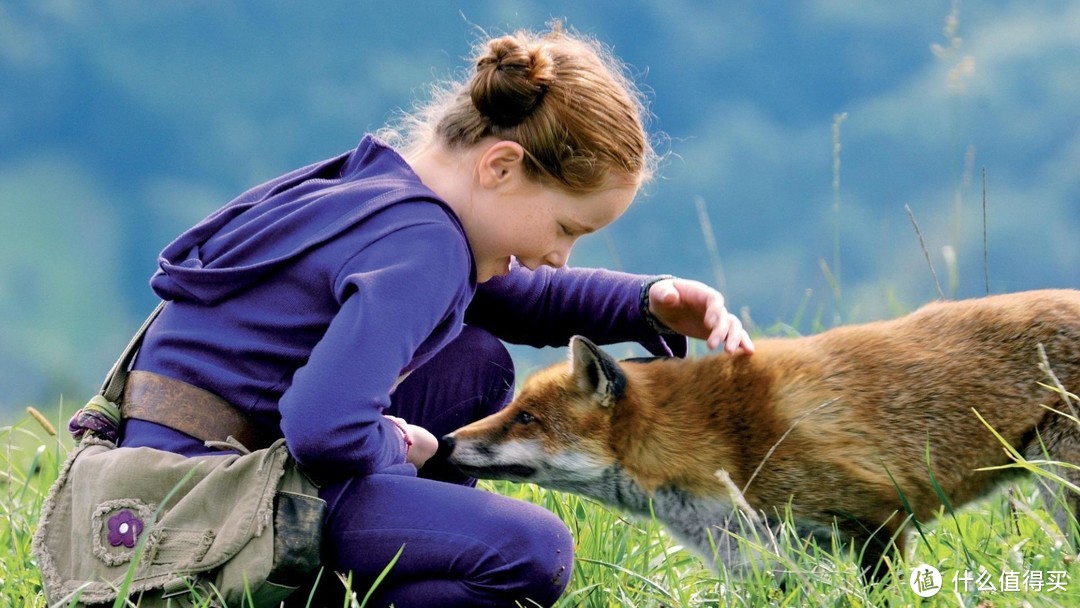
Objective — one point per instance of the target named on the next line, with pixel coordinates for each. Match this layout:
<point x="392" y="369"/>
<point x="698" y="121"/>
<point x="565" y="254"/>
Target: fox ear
<point x="596" y="371"/>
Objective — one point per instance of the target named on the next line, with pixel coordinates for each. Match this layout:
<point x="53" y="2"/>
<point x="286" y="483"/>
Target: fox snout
<point x="478" y="459"/>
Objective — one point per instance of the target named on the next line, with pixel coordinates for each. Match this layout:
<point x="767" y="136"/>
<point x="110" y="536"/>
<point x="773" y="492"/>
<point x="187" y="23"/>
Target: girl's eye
<point x="564" y="230"/>
<point x="524" y="418"/>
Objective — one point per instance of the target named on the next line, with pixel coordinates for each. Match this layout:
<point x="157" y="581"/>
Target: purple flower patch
<point x="124" y="529"/>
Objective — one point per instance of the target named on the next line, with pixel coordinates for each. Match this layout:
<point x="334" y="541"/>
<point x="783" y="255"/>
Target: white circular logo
<point x="925" y="580"/>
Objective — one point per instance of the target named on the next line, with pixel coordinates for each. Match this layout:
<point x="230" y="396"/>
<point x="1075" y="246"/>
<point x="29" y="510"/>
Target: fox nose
<point x="446" y="446"/>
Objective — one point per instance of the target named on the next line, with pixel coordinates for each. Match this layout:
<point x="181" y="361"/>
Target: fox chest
<point x="670" y="505"/>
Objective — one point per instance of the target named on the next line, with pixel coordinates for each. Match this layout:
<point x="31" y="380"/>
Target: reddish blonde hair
<point x="563" y="97"/>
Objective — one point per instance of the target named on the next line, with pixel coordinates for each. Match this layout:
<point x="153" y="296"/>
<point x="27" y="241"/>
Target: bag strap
<point x="113" y="387"/>
<point x="101" y="414"/>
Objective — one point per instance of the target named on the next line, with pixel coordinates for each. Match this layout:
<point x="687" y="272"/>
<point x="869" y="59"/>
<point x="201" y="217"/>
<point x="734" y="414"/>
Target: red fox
<point x="850" y="429"/>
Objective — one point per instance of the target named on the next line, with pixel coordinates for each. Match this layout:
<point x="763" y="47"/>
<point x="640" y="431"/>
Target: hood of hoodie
<point x="273" y="223"/>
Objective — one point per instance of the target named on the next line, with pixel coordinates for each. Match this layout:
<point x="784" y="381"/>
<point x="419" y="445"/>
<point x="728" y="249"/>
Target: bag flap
<point x="162" y="514"/>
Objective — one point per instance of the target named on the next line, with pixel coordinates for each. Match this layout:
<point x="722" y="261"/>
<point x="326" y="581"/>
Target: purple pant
<point x="462" y="546"/>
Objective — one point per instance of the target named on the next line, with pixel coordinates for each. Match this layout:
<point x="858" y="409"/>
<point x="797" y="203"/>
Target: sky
<point x="801" y="140"/>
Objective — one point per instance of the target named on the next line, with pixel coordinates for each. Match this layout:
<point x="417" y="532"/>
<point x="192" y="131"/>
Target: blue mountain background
<point x="797" y="137"/>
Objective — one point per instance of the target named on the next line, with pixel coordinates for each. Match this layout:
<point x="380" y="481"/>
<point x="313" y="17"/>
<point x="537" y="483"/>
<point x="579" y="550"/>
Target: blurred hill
<point x="122" y="123"/>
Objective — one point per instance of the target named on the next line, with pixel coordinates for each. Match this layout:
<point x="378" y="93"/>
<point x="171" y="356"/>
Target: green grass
<point x="622" y="562"/>
<point x="633" y="563"/>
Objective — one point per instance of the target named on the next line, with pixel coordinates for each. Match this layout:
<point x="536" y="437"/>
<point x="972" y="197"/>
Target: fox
<point x="853" y="433"/>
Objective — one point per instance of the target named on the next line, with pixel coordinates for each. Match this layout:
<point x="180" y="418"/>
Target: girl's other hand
<point x="696" y="310"/>
<point x="422" y="444"/>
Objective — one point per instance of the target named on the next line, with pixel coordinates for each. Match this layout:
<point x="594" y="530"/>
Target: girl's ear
<point x="500" y="163"/>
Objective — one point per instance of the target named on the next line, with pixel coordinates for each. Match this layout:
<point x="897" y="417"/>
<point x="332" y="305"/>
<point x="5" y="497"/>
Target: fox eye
<point x="524" y="418"/>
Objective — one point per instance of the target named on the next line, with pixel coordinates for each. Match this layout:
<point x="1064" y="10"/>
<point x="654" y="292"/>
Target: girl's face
<point x="537" y="224"/>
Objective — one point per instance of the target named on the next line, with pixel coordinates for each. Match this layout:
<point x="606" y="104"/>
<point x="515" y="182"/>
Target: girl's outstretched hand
<point x="696" y="310"/>
<point x="421" y="443"/>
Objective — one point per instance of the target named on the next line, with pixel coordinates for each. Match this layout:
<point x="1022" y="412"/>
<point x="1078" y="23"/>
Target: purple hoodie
<point x="303" y="301"/>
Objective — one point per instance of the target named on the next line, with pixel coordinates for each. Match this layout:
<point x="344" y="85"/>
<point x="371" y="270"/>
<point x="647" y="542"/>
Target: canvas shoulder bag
<point x="163" y="528"/>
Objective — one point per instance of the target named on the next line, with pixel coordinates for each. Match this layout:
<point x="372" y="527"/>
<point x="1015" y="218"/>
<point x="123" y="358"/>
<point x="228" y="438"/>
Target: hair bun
<point x="510" y="81"/>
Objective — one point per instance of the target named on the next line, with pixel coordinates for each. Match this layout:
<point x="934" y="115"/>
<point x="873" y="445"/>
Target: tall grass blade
<point x="382" y="575"/>
<point x="710" y="243"/>
<point x="944" y="498"/>
<point x="986" y="248"/>
<point x="904" y="502"/>
<point x="834" y="285"/>
<point x="838" y="119"/>
<point x="922" y="243"/>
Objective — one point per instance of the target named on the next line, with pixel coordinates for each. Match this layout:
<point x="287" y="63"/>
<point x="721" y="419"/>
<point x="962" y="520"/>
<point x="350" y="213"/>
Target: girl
<point x="356" y="307"/>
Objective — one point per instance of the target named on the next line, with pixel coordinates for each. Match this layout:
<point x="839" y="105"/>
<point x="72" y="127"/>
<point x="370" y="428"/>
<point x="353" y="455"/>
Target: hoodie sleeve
<point x="401" y="298"/>
<point x="546" y="306"/>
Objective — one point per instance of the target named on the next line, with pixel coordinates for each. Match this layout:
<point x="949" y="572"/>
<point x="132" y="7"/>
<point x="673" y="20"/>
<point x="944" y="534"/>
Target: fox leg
<point x="743" y="547"/>
<point x="1058" y="440"/>
<point x="872" y="543"/>
<point x="874" y="550"/>
<point x="727" y="539"/>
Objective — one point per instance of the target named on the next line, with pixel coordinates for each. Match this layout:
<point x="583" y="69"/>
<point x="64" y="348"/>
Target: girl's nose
<point x="556" y="259"/>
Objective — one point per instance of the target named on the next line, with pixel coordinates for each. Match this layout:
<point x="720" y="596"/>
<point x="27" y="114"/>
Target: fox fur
<point x="849" y="429"/>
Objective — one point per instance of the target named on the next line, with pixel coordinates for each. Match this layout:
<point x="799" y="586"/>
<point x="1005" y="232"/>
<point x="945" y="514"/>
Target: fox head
<point x="556" y="432"/>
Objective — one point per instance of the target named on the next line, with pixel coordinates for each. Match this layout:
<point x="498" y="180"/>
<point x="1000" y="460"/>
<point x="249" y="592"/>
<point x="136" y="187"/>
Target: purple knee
<point x="463" y="547"/>
<point x="546" y="570"/>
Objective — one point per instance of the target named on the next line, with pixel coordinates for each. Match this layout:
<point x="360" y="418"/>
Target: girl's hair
<point x="563" y="97"/>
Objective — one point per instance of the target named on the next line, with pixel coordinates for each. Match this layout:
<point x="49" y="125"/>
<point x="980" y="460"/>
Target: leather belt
<point x="189" y="409"/>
